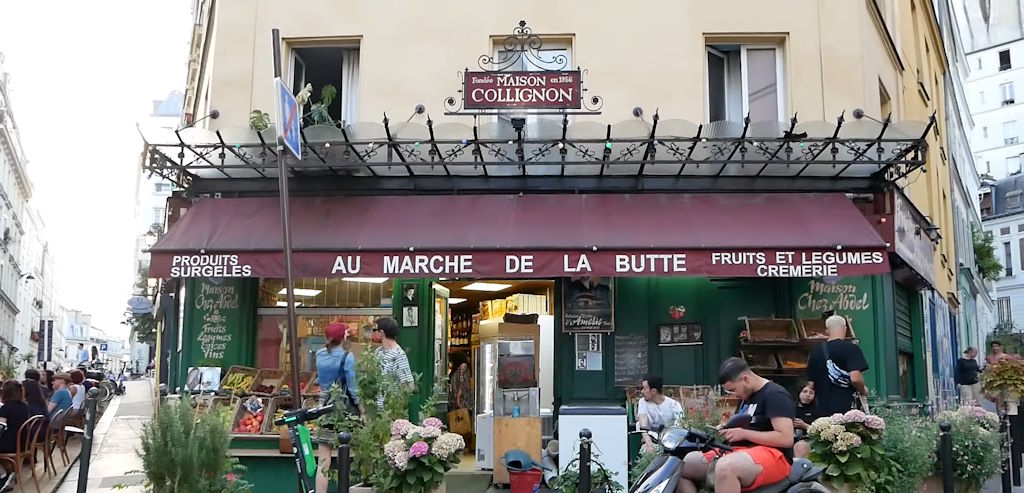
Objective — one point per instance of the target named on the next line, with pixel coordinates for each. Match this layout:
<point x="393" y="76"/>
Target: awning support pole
<point x="649" y="150"/>
<point x="282" y="182"/>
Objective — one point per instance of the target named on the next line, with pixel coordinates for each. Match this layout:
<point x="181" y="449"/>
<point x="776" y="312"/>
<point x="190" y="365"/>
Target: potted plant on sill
<point x="1004" y="380"/>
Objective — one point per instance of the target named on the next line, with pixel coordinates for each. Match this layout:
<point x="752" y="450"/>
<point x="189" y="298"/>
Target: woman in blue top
<point x="335" y="365"/>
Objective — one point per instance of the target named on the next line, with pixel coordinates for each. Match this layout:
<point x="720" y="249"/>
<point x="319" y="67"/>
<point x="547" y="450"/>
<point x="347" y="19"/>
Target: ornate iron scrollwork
<point x="522" y="44"/>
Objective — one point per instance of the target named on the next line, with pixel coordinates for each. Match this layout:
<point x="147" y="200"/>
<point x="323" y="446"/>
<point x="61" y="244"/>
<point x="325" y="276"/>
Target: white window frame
<point x="984" y="132"/>
<point x="550" y="45"/>
<point x="780" y="79"/>
<point x="1013" y="138"/>
<point x="1006" y="92"/>
<point x="293" y="67"/>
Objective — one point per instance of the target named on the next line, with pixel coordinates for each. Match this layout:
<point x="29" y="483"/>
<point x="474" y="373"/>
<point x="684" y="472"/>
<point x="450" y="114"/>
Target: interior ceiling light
<point x="455" y="301"/>
<point x="300" y="292"/>
<point x="371" y="280"/>
<point x="285" y="303"/>
<point x="487" y="286"/>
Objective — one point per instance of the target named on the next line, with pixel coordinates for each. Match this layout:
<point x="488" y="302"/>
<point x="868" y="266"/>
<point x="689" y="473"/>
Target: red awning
<point x="726" y="235"/>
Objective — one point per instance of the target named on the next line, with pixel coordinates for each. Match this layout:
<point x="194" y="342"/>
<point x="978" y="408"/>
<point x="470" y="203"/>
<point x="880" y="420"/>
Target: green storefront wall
<point x="718" y="304"/>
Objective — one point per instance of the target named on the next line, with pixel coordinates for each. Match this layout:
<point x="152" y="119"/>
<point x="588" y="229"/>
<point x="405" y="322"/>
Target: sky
<point x="82" y="75"/>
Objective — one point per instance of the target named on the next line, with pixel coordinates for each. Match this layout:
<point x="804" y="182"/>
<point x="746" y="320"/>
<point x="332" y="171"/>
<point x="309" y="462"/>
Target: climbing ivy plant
<point x="985" y="255"/>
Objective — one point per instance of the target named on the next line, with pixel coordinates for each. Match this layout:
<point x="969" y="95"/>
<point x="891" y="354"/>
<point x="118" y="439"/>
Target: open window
<point x="1004" y="60"/>
<point x="321" y="66"/>
<point x="745" y="79"/>
<point x="1010" y="132"/>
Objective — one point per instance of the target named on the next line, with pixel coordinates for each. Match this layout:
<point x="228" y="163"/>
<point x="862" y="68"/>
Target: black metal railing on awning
<point x="529" y="151"/>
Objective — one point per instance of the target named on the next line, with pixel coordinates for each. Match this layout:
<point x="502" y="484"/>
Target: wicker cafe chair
<point x="46" y="445"/>
<point x="57" y="422"/>
<point x="28" y="434"/>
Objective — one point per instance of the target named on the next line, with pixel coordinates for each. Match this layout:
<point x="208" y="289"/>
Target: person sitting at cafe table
<point x="655" y="409"/>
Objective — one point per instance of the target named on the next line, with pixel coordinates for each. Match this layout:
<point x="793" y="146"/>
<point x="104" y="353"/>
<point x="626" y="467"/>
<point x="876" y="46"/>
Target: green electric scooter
<point x="302" y="442"/>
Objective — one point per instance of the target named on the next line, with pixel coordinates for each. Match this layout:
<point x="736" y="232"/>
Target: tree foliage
<point x="985" y="255"/>
<point x="142" y="324"/>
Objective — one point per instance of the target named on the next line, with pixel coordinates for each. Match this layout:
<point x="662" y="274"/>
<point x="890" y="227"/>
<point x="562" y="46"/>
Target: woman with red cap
<point x="335" y="366"/>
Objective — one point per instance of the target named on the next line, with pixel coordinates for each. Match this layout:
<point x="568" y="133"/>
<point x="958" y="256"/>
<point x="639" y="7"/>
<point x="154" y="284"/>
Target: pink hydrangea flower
<point x="854" y="416"/>
<point x="230" y="477"/>
<point x="419" y="449"/>
<point x="836" y="419"/>
<point x="433" y="423"/>
<point x="874" y="423"/>
<point x="399" y="427"/>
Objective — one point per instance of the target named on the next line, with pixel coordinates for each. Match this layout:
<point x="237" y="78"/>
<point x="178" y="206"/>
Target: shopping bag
<point x="459" y="423"/>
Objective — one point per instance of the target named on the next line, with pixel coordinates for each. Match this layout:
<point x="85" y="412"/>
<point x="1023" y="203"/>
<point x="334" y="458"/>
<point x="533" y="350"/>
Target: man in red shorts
<point x="763" y="451"/>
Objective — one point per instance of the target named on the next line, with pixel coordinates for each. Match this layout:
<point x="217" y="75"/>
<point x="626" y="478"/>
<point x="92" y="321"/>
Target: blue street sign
<point x="103" y="347"/>
<point x="288" y="118"/>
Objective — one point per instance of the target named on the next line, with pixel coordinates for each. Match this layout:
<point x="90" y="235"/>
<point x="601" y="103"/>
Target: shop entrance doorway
<point x="476" y="307"/>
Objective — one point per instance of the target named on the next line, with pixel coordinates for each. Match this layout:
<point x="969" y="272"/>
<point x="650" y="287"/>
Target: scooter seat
<point x="802" y="469"/>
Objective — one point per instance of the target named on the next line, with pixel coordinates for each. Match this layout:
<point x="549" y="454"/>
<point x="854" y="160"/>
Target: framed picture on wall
<point x="410" y="316"/>
<point x="685" y="334"/>
<point x="410" y="293"/>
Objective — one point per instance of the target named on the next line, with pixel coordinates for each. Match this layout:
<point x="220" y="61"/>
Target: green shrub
<point x="185" y="453"/>
<point x="977" y="450"/>
<point x="909" y="442"/>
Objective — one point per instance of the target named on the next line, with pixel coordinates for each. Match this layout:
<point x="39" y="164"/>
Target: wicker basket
<point x="241" y="412"/>
<point x="770" y="329"/>
<point x="283" y="402"/>
<point x="237" y="370"/>
<point x="269" y="378"/>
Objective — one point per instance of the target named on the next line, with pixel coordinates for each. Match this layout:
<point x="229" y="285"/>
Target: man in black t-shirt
<point x="836" y="384"/>
<point x="762" y="451"/>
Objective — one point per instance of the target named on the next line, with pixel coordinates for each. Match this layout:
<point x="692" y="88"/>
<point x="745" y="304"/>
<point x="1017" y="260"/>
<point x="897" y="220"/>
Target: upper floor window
<point x="745" y="79"/>
<point x="1007" y="259"/>
<point x="1010" y="132"/>
<point x="1004" y="60"/>
<point x="981" y="97"/>
<point x="1006" y="92"/>
<point x="979" y="63"/>
<point x="161" y="187"/>
<point x="984" y="132"/>
<point x="1013" y="165"/>
<point x="553" y="51"/>
<point x="322" y="66"/>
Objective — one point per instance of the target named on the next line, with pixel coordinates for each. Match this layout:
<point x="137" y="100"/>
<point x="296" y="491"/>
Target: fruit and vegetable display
<point x="284" y="428"/>
<point x="264" y="389"/>
<point x="251" y="417"/>
<point x="238" y="382"/>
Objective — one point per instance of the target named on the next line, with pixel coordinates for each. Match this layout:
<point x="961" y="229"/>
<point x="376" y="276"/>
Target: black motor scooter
<point x="662" y="475"/>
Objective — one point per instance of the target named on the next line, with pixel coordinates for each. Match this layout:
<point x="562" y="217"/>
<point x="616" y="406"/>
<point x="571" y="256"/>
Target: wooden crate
<point x="272" y="378"/>
<point x="238" y="370"/>
<point x="763" y="359"/>
<point x="241" y="412"/>
<point x="284" y="402"/>
<point x="310" y="386"/>
<point x="813" y="329"/>
<point x="770" y="329"/>
<point x="793" y="359"/>
<point x="206" y="403"/>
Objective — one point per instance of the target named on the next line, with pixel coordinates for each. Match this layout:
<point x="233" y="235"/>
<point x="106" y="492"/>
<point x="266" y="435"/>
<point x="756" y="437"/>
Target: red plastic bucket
<point x="524" y="481"/>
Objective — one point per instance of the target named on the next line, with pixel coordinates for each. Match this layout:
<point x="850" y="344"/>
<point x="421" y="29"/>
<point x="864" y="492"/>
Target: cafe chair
<point x="25" y="449"/>
<point x="48" y="443"/>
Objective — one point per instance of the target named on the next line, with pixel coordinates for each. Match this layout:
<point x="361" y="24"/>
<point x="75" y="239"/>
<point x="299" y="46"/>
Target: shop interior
<point x="473" y="343"/>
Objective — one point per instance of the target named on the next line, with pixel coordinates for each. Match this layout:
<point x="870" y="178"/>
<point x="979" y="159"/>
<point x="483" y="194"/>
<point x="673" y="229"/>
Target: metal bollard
<point x="585" y="436"/>
<point x="90" y="424"/>
<point x="946" y="456"/>
<point x="344" y="462"/>
<point x="1004" y="431"/>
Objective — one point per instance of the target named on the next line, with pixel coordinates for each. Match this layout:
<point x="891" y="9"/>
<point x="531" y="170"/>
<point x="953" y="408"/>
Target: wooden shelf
<point x="778" y="345"/>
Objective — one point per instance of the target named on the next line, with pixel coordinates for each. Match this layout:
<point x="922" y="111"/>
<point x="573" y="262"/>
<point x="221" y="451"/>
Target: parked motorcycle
<point x="662" y="475"/>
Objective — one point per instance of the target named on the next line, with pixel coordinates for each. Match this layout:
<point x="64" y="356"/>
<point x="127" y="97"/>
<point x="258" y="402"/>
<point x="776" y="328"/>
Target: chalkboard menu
<point x="215" y="321"/>
<point x="630" y="358"/>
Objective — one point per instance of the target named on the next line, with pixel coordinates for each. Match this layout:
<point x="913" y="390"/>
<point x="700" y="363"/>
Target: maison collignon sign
<point x="527" y="90"/>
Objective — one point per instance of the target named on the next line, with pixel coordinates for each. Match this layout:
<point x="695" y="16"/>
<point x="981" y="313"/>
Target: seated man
<point x="762" y="451"/>
<point x="655" y="409"/>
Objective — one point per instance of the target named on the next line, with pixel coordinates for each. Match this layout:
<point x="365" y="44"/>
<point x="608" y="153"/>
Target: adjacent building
<point x="976" y="316"/>
<point x="993" y="39"/>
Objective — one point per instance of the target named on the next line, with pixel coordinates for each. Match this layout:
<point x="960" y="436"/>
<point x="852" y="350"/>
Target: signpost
<point x="288" y="119"/>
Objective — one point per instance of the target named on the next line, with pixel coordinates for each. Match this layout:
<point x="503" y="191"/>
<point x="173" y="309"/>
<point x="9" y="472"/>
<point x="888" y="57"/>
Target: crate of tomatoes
<point x="267" y="382"/>
<point x="250" y="415"/>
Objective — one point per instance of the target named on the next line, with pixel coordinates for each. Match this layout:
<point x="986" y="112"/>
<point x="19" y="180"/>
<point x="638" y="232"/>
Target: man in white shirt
<point x="655" y="409"/>
<point x="83" y="354"/>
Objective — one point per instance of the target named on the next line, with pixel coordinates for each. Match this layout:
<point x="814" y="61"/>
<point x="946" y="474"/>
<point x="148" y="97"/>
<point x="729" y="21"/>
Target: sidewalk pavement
<point x="116" y="441"/>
